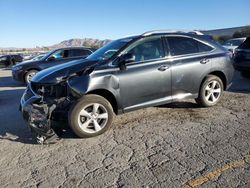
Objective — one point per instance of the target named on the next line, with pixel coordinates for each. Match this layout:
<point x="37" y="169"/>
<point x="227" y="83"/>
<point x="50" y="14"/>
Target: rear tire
<point x="29" y="75"/>
<point x="210" y="91"/>
<point x="91" y="116"/>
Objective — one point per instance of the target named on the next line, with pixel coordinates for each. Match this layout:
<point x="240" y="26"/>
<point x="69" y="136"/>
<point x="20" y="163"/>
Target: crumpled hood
<point x="50" y="75"/>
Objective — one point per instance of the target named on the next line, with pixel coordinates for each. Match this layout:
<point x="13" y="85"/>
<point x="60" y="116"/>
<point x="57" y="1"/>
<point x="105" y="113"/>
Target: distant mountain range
<point x="96" y="43"/>
<point x="87" y="42"/>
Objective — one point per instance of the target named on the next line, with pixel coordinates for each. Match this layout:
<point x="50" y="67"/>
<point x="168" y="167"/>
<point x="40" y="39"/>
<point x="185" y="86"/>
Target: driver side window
<point x="147" y="49"/>
<point x="60" y="54"/>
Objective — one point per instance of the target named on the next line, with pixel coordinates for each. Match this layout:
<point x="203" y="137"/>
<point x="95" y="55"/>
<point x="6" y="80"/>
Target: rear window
<point x="184" y="45"/>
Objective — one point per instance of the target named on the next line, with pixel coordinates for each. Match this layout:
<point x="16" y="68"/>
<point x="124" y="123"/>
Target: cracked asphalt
<point x="176" y="145"/>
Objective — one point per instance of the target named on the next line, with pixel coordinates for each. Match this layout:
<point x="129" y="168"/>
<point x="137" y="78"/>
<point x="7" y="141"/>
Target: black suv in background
<point x="242" y="58"/>
<point x="131" y="73"/>
<point x="10" y="60"/>
<point x="26" y="70"/>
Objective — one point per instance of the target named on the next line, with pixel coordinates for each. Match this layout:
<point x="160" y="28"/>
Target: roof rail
<point x="148" y="33"/>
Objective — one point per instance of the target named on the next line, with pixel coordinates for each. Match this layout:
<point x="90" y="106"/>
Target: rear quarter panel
<point x="223" y="63"/>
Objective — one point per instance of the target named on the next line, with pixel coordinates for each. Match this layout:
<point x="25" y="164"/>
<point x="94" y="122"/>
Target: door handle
<point x="204" y="61"/>
<point x="163" y="68"/>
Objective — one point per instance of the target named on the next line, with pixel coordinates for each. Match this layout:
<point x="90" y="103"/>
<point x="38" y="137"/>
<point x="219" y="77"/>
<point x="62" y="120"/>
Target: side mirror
<point x="126" y="58"/>
<point x="51" y="58"/>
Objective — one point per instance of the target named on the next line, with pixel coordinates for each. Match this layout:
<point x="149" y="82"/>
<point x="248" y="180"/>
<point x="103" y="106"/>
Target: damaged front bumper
<point x="37" y="115"/>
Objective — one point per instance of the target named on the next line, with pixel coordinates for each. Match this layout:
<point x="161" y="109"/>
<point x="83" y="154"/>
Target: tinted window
<point x="183" y="45"/>
<point x="79" y="52"/>
<point x="203" y="47"/>
<point x="147" y="50"/>
<point x="60" y="54"/>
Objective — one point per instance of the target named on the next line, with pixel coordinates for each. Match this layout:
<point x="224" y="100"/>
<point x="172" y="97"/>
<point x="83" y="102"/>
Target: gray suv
<point x="131" y="73"/>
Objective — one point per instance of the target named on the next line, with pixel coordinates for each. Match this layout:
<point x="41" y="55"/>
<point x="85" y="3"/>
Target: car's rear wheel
<point x="210" y="92"/>
<point x="92" y="115"/>
<point x="29" y="75"/>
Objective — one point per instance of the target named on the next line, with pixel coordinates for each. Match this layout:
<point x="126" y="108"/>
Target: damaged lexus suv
<point x="127" y="74"/>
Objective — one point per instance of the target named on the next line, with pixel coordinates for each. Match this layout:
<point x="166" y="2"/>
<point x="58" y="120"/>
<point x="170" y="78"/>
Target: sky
<point x="31" y="23"/>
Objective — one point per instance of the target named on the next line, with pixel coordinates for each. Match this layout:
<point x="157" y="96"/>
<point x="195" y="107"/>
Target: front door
<point x="147" y="81"/>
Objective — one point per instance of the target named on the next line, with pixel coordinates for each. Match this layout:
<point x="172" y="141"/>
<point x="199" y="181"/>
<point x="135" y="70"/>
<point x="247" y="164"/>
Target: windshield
<point x="39" y="57"/>
<point x="109" y="50"/>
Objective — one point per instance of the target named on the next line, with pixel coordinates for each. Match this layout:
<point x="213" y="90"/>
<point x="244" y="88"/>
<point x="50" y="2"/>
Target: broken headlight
<point x="50" y="91"/>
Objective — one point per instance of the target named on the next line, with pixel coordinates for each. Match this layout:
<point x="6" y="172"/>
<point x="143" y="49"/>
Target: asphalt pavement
<point x="175" y="145"/>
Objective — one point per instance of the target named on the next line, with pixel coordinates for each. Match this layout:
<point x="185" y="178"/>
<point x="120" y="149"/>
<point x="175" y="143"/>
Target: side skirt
<point x="161" y="101"/>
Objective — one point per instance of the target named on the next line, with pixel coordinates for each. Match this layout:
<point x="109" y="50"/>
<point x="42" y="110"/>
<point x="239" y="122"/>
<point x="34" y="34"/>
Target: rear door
<point x="191" y="60"/>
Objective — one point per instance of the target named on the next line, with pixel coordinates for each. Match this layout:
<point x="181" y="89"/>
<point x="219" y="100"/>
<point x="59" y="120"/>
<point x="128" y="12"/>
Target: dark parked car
<point x="232" y="44"/>
<point x="10" y="60"/>
<point x="26" y="70"/>
<point x="131" y="73"/>
<point x="242" y="58"/>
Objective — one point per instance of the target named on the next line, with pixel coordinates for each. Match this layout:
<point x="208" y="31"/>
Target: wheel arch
<point x="29" y="69"/>
<point x="107" y="95"/>
<point x="219" y="74"/>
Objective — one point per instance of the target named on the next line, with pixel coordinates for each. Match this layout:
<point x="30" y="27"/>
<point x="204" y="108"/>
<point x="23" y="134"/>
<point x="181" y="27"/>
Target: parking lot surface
<point x="177" y="145"/>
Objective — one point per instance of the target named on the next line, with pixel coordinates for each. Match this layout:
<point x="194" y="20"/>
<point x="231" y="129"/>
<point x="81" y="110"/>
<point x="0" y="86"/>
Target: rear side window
<point x="184" y="45"/>
<point x="203" y="47"/>
<point x="79" y="52"/>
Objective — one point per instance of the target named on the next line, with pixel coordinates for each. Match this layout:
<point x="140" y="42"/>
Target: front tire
<point x="29" y="75"/>
<point x="210" y="92"/>
<point x="91" y="116"/>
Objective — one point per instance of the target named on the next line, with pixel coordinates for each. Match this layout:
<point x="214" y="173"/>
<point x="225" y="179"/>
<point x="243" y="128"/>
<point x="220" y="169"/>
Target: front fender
<point x="81" y="85"/>
<point x="78" y="85"/>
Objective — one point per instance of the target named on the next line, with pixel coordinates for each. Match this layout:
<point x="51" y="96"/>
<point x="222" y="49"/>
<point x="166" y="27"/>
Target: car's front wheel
<point x="29" y="75"/>
<point x="92" y="115"/>
<point x="210" y="91"/>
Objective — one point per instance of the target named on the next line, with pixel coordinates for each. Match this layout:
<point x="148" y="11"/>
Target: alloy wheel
<point x="93" y="118"/>
<point x="30" y="76"/>
<point x="213" y="91"/>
